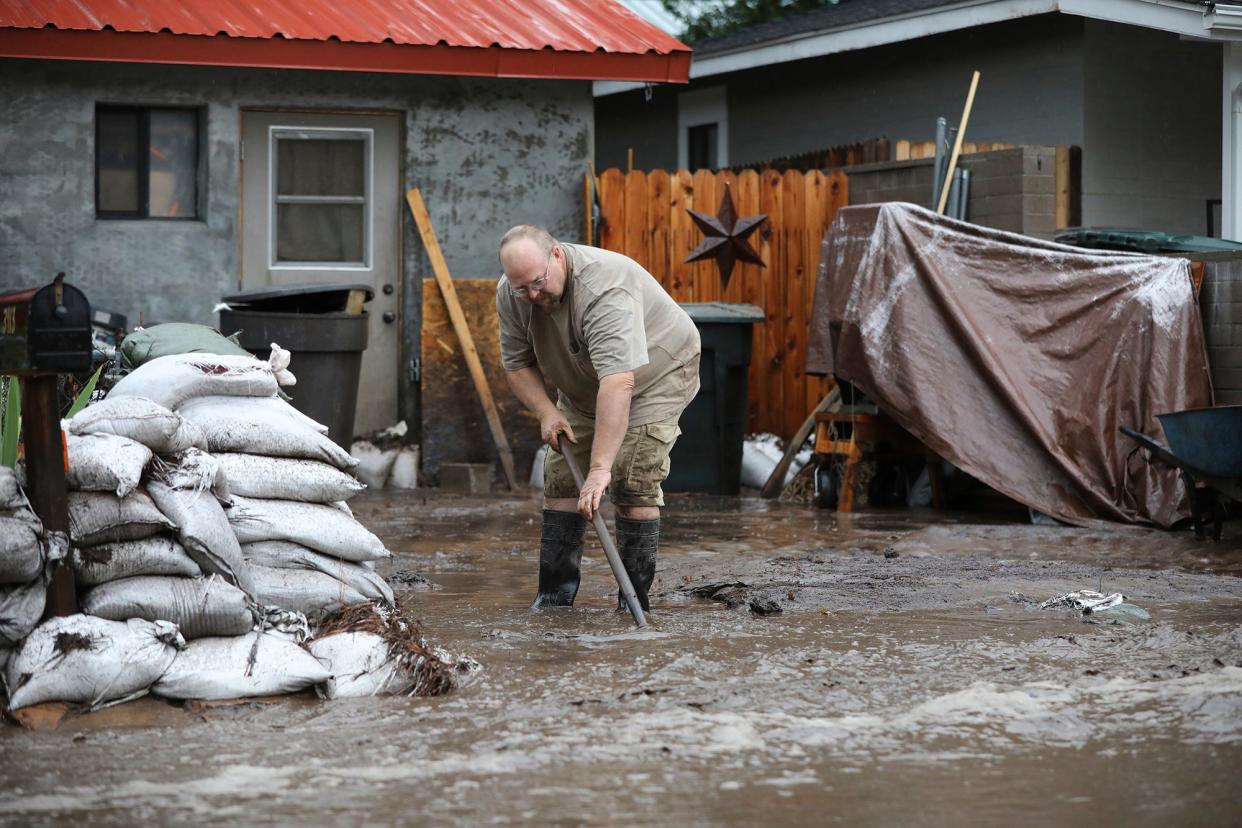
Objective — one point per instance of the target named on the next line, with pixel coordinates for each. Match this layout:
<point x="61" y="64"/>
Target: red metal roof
<point x="595" y="39"/>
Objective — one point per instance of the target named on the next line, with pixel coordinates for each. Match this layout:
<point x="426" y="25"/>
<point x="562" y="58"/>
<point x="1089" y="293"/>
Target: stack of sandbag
<point x="150" y="537"/>
<point x="289" y="483"/>
<point x="27" y="557"/>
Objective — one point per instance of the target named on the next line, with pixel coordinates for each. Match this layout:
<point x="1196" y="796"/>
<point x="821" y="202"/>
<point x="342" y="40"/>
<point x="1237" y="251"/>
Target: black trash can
<point x="325" y="329"/>
<point x="708" y="455"/>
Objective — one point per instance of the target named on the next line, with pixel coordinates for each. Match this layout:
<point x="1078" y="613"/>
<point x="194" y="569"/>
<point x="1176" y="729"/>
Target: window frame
<point x="364" y="134"/>
<point x="144" y="162"/>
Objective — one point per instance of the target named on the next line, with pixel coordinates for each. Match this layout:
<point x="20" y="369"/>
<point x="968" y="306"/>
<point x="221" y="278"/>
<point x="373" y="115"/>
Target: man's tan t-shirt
<point x="612" y="317"/>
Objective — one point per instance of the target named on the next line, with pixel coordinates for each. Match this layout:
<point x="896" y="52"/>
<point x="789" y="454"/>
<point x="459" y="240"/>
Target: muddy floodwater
<point x="801" y="668"/>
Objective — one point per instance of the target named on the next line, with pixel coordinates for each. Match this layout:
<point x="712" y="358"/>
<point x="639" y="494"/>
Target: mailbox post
<point x="45" y="332"/>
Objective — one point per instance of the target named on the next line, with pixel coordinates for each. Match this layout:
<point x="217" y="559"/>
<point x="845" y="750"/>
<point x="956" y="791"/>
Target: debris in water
<point x="764" y="606"/>
<point x="1087" y="600"/>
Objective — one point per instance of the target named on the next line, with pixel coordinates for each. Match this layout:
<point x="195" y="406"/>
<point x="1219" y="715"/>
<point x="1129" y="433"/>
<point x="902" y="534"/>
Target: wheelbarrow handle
<point x="605" y="540"/>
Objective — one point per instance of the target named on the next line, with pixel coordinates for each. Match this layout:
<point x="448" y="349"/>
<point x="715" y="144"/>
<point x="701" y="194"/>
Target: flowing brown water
<point x="922" y="688"/>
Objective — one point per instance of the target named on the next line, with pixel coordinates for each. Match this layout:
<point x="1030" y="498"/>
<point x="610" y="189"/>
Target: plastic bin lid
<point x="1142" y="241"/>
<point x="723" y="312"/>
<point x="267" y="294"/>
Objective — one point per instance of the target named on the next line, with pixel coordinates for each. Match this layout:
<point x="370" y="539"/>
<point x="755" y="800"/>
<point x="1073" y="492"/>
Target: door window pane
<point x="316" y="167"/>
<point x="320" y="233"/>
<point x="173" y="163"/>
<point x="116" y="135"/>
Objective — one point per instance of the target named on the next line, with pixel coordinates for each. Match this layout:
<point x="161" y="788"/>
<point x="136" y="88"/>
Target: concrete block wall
<point x="1220" y="302"/>
<point x="1012" y="189"/>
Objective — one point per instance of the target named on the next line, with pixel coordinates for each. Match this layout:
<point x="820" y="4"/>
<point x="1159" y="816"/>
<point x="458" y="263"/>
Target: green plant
<point x="11" y="426"/>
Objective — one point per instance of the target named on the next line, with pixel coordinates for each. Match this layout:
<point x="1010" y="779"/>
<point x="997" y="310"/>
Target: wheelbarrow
<point x="1205" y="445"/>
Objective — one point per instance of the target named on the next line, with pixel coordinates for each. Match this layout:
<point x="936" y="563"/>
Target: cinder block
<point x="1228" y="396"/>
<point x="1227" y="378"/>
<point x="1039" y="184"/>
<point x="466" y="478"/>
<point x="1041" y="204"/>
<point x="1224" y="357"/>
<point x="1035" y="163"/>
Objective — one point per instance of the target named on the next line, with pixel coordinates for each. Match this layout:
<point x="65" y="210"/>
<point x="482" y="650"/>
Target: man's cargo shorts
<point x="641" y="466"/>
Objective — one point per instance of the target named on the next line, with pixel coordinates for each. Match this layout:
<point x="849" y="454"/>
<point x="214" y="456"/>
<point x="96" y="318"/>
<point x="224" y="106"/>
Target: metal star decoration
<point x="725" y="238"/>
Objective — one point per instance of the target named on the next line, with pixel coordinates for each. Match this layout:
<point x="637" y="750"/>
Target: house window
<point x="321" y="191"/>
<point x="701" y="146"/>
<point x="146" y="162"/>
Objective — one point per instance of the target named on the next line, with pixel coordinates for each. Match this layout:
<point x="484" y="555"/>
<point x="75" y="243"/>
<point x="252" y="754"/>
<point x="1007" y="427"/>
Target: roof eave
<point x="339" y="56"/>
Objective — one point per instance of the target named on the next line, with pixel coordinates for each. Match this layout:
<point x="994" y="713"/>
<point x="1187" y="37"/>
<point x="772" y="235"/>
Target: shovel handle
<point x="605" y="539"/>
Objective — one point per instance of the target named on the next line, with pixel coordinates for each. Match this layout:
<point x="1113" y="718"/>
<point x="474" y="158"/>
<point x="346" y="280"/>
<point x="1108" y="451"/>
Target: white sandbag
<point x="195" y="470"/>
<point x="173" y="379"/>
<point x="198" y="606"/>
<point x="253" y="427"/>
<point x="21" y="606"/>
<point x="760" y="454"/>
<point x="105" y="463"/>
<point x="361" y="664"/>
<point x="204" y="531"/>
<point x="87" y="660"/>
<point x="313" y="525"/>
<point x="308" y="591"/>
<point x="21" y="552"/>
<point x="98" y="517"/>
<point x="404" y="474"/>
<point x="159" y="555"/>
<point x="374" y="464"/>
<point x="286" y="478"/>
<point x="256" y="664"/>
<point x="141" y="420"/>
<point x="287" y="555"/>
<point x="11" y="496"/>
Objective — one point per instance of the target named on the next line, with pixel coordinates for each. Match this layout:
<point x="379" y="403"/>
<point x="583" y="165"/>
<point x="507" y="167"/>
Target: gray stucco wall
<point x="1151" y="150"/>
<point x="486" y="153"/>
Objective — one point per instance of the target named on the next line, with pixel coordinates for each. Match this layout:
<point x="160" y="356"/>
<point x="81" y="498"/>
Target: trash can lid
<point x="1142" y="241"/>
<point x="723" y="312"/>
<point x="302" y="298"/>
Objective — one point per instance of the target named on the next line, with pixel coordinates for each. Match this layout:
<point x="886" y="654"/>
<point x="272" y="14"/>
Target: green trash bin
<point x="708" y="455"/>
<point x="1142" y="241"/>
<point x="326" y="341"/>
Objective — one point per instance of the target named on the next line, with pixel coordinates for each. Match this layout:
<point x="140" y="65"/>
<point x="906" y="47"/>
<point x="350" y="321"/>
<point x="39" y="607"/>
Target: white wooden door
<point x="321" y="198"/>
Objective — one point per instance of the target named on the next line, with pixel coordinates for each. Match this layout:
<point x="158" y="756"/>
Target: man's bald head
<point x="524" y="240"/>
<point x="531" y="264"/>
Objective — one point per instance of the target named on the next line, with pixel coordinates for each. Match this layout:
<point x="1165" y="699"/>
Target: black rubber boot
<point x="560" y="556"/>
<point x="637" y="543"/>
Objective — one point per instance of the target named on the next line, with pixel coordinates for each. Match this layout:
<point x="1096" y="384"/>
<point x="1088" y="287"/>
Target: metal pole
<point x="45" y="476"/>
<point x="605" y="540"/>
<point x="963" y="197"/>
<point x="938" y="173"/>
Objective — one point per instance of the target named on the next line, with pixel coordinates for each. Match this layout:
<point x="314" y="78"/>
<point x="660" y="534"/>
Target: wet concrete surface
<point x="921" y="686"/>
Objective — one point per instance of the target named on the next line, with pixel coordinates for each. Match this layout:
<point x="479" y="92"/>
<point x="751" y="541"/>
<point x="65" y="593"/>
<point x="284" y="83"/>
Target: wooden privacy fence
<point x="643" y="215"/>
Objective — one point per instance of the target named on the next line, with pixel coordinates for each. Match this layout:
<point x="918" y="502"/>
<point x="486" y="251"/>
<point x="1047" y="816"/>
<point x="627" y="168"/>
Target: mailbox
<point x="45" y="330"/>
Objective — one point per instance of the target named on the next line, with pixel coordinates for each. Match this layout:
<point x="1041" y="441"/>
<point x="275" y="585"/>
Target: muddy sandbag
<point x="198" y="606"/>
<point x="159" y="555"/>
<point x="21" y="551"/>
<point x="173" y="379"/>
<point x="380" y="651"/>
<point x="141" y="420"/>
<point x="250" y="426"/>
<point x="256" y="664"/>
<point x="100" y="517"/>
<point x="289" y="555"/>
<point x="204" y="531"/>
<point x="313" y="525"/>
<point x="286" y="478"/>
<point x="21" y="606"/>
<point x="11" y="496"/>
<point x="308" y="591"/>
<point x="195" y="470"/>
<point x="105" y="463"/>
<point x="88" y="660"/>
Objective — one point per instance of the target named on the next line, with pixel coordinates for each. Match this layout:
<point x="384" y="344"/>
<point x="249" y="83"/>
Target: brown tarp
<point x="1013" y="358"/>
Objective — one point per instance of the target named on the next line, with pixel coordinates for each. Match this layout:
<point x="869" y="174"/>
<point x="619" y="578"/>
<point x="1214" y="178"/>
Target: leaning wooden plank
<point x="440" y="269"/>
<point x="957" y="143"/>
<point x="776" y="480"/>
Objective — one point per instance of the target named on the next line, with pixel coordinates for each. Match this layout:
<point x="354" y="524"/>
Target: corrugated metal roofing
<point x="562" y="25"/>
<point x="572" y="38"/>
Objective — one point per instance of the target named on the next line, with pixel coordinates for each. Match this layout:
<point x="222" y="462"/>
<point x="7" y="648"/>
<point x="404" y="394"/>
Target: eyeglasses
<point x="535" y="286"/>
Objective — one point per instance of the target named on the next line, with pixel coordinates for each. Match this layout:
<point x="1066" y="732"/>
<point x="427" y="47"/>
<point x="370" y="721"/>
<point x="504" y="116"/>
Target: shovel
<point x="605" y="539"/>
